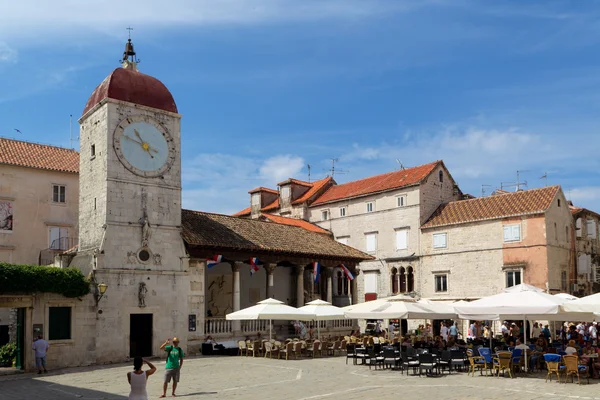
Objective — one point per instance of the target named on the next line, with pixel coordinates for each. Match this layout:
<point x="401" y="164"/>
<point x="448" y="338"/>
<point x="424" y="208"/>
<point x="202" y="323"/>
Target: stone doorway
<point x="140" y="335"/>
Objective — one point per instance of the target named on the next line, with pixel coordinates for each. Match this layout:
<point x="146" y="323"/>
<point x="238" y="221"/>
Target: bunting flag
<point x="316" y="270"/>
<point x="214" y="260"/>
<point x="347" y="272"/>
<point x="254" y="261"/>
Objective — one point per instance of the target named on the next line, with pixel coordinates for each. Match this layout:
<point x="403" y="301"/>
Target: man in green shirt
<point x="174" y="363"/>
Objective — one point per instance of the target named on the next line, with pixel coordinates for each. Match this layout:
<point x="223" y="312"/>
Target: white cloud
<point x="7" y="54"/>
<point x="220" y="182"/>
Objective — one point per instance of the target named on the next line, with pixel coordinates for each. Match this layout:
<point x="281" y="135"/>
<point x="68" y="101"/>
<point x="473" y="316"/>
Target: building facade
<point x="585" y="279"/>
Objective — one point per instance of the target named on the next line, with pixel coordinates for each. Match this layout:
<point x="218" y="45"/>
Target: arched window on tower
<point x="340" y="283"/>
<point x="402" y="280"/>
<point x="410" y="280"/>
<point x="394" y="278"/>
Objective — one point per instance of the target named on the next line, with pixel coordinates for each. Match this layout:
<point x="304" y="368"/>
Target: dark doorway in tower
<point x="140" y="335"/>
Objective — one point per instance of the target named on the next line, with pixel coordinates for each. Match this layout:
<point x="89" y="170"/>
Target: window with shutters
<point x="370" y="283"/>
<point x="371" y="239"/>
<point x="59" y="193"/>
<point x="591" y="228"/>
<point x="59" y="323"/>
<point x="441" y="283"/>
<point x="342" y="211"/>
<point x="402" y="239"/>
<point x="512" y="233"/>
<point x="370" y="206"/>
<point x="440" y="240"/>
<point x="578" y="227"/>
<point x="324" y="215"/>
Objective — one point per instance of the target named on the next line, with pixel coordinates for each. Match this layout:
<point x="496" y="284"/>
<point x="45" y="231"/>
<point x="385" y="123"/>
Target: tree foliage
<point x="69" y="282"/>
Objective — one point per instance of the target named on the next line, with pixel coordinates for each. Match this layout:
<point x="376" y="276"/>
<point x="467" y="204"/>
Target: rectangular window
<point x="59" y="323"/>
<point x="401" y="201"/>
<point x="512" y="233"/>
<point x="370" y="206"/>
<point x="440" y="240"/>
<point x="513" y="278"/>
<point x="441" y="283"/>
<point x="371" y="239"/>
<point x="324" y="215"/>
<point x="58" y="193"/>
<point x="93" y="151"/>
<point x="343" y="240"/>
<point x="371" y="283"/>
<point x="402" y="239"/>
<point x="57" y="238"/>
<point x="342" y="211"/>
<point x="591" y="228"/>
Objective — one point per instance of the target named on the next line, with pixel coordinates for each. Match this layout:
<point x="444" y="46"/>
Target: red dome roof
<point x="133" y="87"/>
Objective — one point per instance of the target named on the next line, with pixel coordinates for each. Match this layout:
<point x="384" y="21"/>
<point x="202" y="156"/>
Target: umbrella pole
<point x="525" y="341"/>
<point x="318" y="330"/>
<point x="270" y="329"/>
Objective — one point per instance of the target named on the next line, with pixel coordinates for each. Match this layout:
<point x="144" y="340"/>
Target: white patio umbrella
<point x="566" y="296"/>
<point x="439" y="310"/>
<point x="587" y="304"/>
<point x="270" y="309"/>
<point x="395" y="307"/>
<point x="525" y="304"/>
<point x="321" y="310"/>
<point x="523" y="287"/>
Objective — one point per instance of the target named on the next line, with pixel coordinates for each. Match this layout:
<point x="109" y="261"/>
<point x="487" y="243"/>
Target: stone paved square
<point x="305" y="379"/>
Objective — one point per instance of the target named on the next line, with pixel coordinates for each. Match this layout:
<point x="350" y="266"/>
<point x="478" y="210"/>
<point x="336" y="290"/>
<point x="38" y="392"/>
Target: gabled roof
<point x="263" y="189"/>
<point x="526" y="202"/>
<point x="244" y="212"/>
<point x="377" y="183"/>
<point x="577" y="210"/>
<point x="316" y="187"/>
<point x="295" y="222"/>
<point x="40" y="156"/>
<point x="217" y="232"/>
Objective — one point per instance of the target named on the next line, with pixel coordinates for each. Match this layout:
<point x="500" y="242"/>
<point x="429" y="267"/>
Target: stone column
<point x="329" y="277"/>
<point x="299" y="285"/>
<point x="355" y="287"/>
<point x="269" y="269"/>
<point x="235" y="268"/>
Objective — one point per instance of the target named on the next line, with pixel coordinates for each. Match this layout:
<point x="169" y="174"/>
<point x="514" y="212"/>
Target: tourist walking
<point x="174" y="364"/>
<point x="138" y="378"/>
<point x="41" y="348"/>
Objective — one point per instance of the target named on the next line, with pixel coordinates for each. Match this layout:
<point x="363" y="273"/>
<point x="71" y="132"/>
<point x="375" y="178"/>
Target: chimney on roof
<point x="259" y="198"/>
<point x="290" y="190"/>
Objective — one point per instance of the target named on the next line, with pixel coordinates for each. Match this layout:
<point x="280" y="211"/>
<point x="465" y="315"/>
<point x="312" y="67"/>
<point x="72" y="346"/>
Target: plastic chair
<point x="427" y="362"/>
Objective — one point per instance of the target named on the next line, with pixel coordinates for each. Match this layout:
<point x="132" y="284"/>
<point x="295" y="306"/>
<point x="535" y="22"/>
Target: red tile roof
<point x="243" y="213"/>
<point x="377" y="183"/>
<point x="40" y="156"/>
<point x="296" y="181"/>
<point x="133" y="87"/>
<point x="271" y="206"/>
<point x="576" y="210"/>
<point x="263" y="189"/>
<point x="317" y="186"/>
<point x="295" y="222"/>
<point x="526" y="202"/>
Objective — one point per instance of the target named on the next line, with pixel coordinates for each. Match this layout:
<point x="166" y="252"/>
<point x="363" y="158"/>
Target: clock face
<point x="144" y="146"/>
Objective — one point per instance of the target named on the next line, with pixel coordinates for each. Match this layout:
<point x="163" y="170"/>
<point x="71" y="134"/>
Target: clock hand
<point x="138" y="135"/>
<point x="133" y="140"/>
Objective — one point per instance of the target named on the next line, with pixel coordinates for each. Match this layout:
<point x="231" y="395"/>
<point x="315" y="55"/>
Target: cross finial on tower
<point x="129" y="29"/>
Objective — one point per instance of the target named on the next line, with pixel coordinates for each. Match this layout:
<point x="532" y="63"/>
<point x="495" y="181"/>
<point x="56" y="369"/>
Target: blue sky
<point x="268" y="86"/>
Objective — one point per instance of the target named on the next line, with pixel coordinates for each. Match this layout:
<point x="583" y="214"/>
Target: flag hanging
<point x="316" y="270"/>
<point x="254" y="261"/>
<point x="214" y="260"/>
<point x="347" y="272"/>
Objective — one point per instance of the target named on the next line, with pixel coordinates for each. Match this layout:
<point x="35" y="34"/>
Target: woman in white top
<point x="137" y="379"/>
<point x="571" y="348"/>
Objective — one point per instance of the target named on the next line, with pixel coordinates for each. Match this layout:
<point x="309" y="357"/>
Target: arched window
<point x="345" y="279"/>
<point x="441" y="174"/>
<point x="340" y="283"/>
<point x="394" y="281"/>
<point x="410" y="280"/>
<point x="402" y="280"/>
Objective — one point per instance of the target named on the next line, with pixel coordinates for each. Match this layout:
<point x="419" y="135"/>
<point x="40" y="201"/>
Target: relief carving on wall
<point x="131" y="257"/>
<point x="142" y="291"/>
<point x="219" y="296"/>
<point x="6" y="216"/>
<point x="157" y="259"/>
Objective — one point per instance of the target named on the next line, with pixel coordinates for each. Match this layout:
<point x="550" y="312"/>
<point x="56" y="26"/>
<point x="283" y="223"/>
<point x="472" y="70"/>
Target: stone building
<point x="476" y="248"/>
<point x="146" y="257"/>
<point x="585" y="278"/>
<point x="381" y="215"/>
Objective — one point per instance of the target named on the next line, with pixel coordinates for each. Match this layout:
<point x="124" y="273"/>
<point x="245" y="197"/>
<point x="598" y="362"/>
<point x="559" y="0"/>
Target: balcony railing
<point x="57" y="246"/>
<point x="215" y="325"/>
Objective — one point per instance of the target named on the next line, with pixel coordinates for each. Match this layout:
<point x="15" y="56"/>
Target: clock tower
<point x="130" y="212"/>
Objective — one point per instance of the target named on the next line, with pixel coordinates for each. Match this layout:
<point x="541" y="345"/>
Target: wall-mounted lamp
<point x="99" y="291"/>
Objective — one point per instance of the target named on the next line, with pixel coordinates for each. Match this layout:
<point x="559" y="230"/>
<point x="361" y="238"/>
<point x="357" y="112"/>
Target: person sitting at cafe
<point x="571" y="348"/>
<point x="521" y="346"/>
<point x="586" y="352"/>
<point x="537" y="354"/>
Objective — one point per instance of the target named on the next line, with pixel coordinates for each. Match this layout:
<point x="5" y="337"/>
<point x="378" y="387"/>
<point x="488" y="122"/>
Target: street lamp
<point x="100" y="289"/>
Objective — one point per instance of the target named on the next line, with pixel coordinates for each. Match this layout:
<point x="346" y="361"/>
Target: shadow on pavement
<point x="38" y="389"/>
